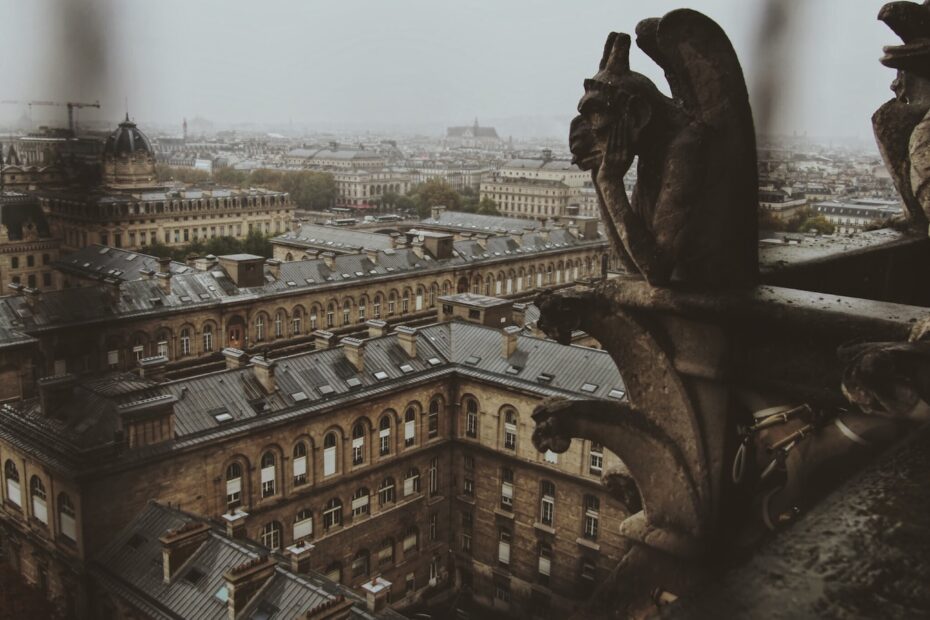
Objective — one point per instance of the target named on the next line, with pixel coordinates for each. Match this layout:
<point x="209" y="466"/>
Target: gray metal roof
<point x="333" y="238"/>
<point x="100" y="261"/>
<point x="481" y="223"/>
<point x="131" y="566"/>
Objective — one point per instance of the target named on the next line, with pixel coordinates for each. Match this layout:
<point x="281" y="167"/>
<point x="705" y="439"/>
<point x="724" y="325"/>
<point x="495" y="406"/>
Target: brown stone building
<point x="244" y="302"/>
<point x="406" y="456"/>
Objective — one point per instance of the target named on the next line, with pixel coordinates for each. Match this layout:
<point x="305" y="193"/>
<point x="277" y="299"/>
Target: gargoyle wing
<point x="700" y="65"/>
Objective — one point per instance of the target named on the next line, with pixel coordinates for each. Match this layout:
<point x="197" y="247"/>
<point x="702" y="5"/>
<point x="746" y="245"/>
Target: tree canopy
<point x="254" y="243"/>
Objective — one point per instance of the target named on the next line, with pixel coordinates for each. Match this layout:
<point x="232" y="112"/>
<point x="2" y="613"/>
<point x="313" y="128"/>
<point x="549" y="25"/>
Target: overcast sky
<point x="409" y="63"/>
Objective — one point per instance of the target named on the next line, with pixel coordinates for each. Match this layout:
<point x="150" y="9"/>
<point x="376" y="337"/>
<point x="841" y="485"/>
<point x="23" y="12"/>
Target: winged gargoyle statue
<point x="902" y="124"/>
<point x="693" y="213"/>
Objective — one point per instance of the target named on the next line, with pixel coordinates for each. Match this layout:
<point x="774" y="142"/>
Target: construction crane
<point x="30" y="104"/>
<point x="72" y="105"/>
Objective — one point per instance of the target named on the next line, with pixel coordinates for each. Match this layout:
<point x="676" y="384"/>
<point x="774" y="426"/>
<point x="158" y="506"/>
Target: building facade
<point x="528" y="197"/>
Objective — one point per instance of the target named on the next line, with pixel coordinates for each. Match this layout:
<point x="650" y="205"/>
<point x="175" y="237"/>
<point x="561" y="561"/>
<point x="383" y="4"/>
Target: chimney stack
<point x="509" y="340"/>
<point x="417" y="247"/>
<point x="519" y="315"/>
<point x="264" y="373"/>
<point x="376" y="328"/>
<point x="436" y="212"/>
<point x="355" y="352"/>
<point x="164" y="264"/>
<point x="274" y="267"/>
<point x="323" y="339"/>
<point x="164" y="281"/>
<point x="244" y="581"/>
<point x="329" y="259"/>
<point x="376" y="593"/>
<point x="235" y="358"/>
<point x="55" y="392"/>
<point x="299" y="554"/>
<point x="371" y="254"/>
<point x="153" y="367"/>
<point x="112" y="286"/>
<point x="33" y="295"/>
<point x="235" y="523"/>
<point x="407" y="339"/>
<point x="338" y="608"/>
<point x="177" y="546"/>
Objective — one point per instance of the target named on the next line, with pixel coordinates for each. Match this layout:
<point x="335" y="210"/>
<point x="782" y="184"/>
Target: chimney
<point x="509" y="340"/>
<point x="264" y="373"/>
<point x="376" y="593"/>
<point x="323" y="339"/>
<point x="164" y="264"/>
<point x="164" y="281"/>
<point x="177" y="546"/>
<point x="112" y="286"/>
<point x="482" y="240"/>
<point x="235" y="358"/>
<point x="274" y="267"/>
<point x="33" y="295"/>
<point x="372" y="255"/>
<point x="519" y="314"/>
<point x="338" y="608"/>
<point x="235" y="523"/>
<point x="153" y="367"/>
<point x="243" y="582"/>
<point x="329" y="259"/>
<point x="417" y="247"/>
<point x="354" y="350"/>
<point x="299" y="554"/>
<point x="436" y="212"/>
<point x="407" y="339"/>
<point x="55" y="392"/>
<point x="147" y="274"/>
<point x="398" y="241"/>
<point x="376" y="328"/>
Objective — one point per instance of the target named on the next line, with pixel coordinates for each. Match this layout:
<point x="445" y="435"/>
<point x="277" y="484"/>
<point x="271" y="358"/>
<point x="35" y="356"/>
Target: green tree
<point x="487" y="206"/>
<point x="432" y="193"/>
<point x="817" y="223"/>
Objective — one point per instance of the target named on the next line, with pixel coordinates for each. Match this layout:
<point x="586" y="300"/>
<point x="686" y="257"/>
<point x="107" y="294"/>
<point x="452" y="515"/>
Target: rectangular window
<point x="233" y="492"/>
<point x="300" y="470"/>
<point x="591" y="516"/>
<point x="13" y="493"/>
<point x="433" y="526"/>
<point x="434" y="477"/>
<point x="358" y="450"/>
<point x="507" y="495"/>
<point x="384" y="439"/>
<point x="360" y="505"/>
<point x="409" y="432"/>
<point x="503" y="547"/>
<point x="510" y="436"/>
<point x="303" y="528"/>
<point x="411" y="484"/>
<point x="596" y="466"/>
<point x="112" y="358"/>
<point x="68" y="527"/>
<point x="471" y="424"/>
<point x="410" y="540"/>
<point x="329" y="461"/>
<point x="268" y="481"/>
<point x="469" y="487"/>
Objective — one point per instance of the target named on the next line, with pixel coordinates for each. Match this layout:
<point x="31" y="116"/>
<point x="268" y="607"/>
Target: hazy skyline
<point x="410" y="64"/>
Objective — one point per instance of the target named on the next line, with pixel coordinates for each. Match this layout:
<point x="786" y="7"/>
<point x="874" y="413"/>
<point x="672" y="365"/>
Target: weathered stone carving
<point x="692" y="217"/>
<point x="902" y="124"/>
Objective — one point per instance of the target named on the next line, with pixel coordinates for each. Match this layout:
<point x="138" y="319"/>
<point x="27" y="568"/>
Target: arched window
<point x="445" y="288"/>
<point x="303" y="524"/>
<point x="185" y="341"/>
<point x="300" y="463"/>
<point x="488" y="283"/>
<point x="547" y="502"/>
<point x="362" y="308"/>
<point x="314" y="317"/>
<point x="279" y="324"/>
<point x="207" y="338"/>
<point x="405" y="303"/>
<point x="260" y="328"/>
<point x="360" y="501"/>
<point x="329" y="453"/>
<point x="376" y="307"/>
<point x="330" y="315"/>
<point x="392" y="303"/>
<point x="412" y="481"/>
<point x="386" y="492"/>
<point x="297" y="321"/>
<point x="332" y="513"/>
<point x="360" y="563"/>
<point x="432" y="426"/>
<point x="471" y="417"/>
<point x="233" y="486"/>
<point x="346" y="312"/>
<point x="433" y="290"/>
<point x="499" y="284"/>
<point x="510" y="429"/>
<point x="271" y="535"/>
<point x="418" y="300"/>
<point x="39" y="503"/>
<point x="13" y="491"/>
<point x="66" y="517"/>
<point x="384" y="435"/>
<point x="410" y="427"/>
<point x="358" y="443"/>
<point x="268" y="474"/>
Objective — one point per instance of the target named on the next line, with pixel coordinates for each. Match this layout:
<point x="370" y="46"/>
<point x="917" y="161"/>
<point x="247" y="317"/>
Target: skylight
<point x="514" y="370"/>
<point x="617" y="393"/>
<point x="326" y="390"/>
<point x="353" y="382"/>
<point x="434" y="361"/>
<point x="406" y="368"/>
<point x="473" y="360"/>
<point x="380" y="375"/>
<point x="545" y="377"/>
<point x="589" y="388"/>
<point x="222" y="416"/>
<point x="222" y="594"/>
<point x="299" y="396"/>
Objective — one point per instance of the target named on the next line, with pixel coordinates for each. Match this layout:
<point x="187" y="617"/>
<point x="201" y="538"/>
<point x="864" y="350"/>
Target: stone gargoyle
<point x="692" y="217"/>
<point x="902" y="124"/>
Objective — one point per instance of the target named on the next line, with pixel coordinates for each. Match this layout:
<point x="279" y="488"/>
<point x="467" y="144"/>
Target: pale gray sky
<point x="406" y="63"/>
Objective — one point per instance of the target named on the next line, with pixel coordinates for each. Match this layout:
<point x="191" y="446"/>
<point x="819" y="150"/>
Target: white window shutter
<point x="358" y="442"/>
<point x="13" y="493"/>
<point x="304" y="528"/>
<point x="408" y="486"/>
<point x="359" y="502"/>
<point x="507" y="490"/>
<point x="267" y="474"/>
<point x="329" y="461"/>
<point x="503" y="552"/>
<point x="68" y="527"/>
<point x="419" y="302"/>
<point x="112" y="358"/>
<point x="544" y="566"/>
<point x="39" y="510"/>
<point x="233" y="486"/>
<point x="409" y="429"/>
<point x="385" y="432"/>
<point x="300" y="466"/>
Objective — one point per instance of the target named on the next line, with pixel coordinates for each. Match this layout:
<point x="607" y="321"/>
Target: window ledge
<point x="434" y="499"/>
<point x="468" y="499"/>
<point x="503" y="513"/>
<point x="590" y="544"/>
<point x="542" y="527"/>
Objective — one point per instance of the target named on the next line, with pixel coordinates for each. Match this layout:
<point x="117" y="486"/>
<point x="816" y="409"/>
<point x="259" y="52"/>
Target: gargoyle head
<point x="884" y="378"/>
<point x="613" y="96"/>
<point x="559" y="316"/>
<point x="550" y="432"/>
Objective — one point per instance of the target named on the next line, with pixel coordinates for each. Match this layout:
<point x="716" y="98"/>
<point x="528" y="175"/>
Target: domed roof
<point x="127" y="140"/>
